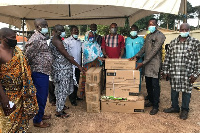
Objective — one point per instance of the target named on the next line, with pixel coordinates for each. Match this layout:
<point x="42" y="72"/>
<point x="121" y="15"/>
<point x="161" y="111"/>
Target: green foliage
<point x="168" y="20"/>
<point x="102" y="30"/>
<point x="142" y="23"/>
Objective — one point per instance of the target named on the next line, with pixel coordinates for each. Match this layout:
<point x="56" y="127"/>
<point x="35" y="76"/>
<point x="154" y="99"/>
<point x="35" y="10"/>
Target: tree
<point x="142" y="23"/>
<point x="168" y="20"/>
<point x="197" y="14"/>
<point x="102" y="30"/>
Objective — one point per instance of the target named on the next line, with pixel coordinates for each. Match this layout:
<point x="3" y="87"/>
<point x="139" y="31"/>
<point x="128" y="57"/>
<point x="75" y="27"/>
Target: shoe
<point x="42" y="124"/>
<point x="46" y="117"/>
<point x="184" y="115"/>
<point x="74" y="103"/>
<point x="53" y="104"/>
<point x="65" y="107"/>
<point x="147" y="98"/>
<point x="171" y="110"/>
<point x="148" y="104"/>
<point x="154" y="111"/>
<point x="78" y="98"/>
<point x="62" y="114"/>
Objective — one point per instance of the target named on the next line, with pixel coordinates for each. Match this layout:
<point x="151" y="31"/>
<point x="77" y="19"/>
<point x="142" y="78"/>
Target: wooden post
<point x="185" y="11"/>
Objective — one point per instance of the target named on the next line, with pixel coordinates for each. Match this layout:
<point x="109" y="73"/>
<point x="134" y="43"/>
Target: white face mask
<point x="75" y="36"/>
<point x="63" y="34"/>
<point x="184" y="34"/>
<point x="113" y="30"/>
<point x="44" y="31"/>
<point x="133" y="33"/>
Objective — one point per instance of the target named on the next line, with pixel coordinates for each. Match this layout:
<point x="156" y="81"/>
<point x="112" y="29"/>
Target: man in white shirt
<point x="74" y="45"/>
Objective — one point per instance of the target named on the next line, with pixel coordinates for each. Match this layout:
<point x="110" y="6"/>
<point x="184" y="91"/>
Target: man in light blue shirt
<point x="74" y="46"/>
<point x="133" y="45"/>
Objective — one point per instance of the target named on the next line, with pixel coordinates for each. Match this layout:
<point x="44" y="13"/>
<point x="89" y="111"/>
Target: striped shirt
<point x="113" y="45"/>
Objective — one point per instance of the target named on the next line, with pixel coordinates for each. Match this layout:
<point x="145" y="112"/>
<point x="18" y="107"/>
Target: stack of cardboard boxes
<point x="122" y="81"/>
<point x="93" y="87"/>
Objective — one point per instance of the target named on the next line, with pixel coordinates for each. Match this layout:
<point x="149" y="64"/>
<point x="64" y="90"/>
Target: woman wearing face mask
<point x="18" y="102"/>
<point x="62" y="73"/>
<point x="133" y="45"/>
<point x="92" y="56"/>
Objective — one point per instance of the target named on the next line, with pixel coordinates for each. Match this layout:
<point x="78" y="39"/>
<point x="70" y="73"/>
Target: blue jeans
<point x="153" y="90"/>
<point x="185" y="100"/>
<point x="41" y="82"/>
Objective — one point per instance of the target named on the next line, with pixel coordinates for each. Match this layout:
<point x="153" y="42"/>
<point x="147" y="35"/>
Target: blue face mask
<point x="184" y="34"/>
<point x="94" y="32"/>
<point x="44" y="31"/>
<point x="75" y="36"/>
<point x="91" y="39"/>
<point x="152" y="28"/>
<point x="133" y="33"/>
<point x="62" y="34"/>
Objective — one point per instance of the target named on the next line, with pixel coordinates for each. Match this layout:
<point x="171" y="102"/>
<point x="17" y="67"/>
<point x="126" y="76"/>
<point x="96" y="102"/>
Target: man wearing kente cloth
<point x="18" y="101"/>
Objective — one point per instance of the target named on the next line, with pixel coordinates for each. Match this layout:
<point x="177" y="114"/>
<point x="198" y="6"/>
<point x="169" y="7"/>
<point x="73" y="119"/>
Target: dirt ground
<point x="109" y="122"/>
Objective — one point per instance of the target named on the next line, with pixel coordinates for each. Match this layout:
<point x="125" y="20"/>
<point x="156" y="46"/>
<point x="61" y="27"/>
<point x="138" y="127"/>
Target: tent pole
<point x="69" y="11"/>
<point x="185" y="11"/>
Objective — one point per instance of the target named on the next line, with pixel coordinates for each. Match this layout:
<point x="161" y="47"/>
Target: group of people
<point x="24" y="85"/>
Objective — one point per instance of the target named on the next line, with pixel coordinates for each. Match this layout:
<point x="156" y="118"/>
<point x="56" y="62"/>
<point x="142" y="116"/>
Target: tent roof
<point x="77" y="12"/>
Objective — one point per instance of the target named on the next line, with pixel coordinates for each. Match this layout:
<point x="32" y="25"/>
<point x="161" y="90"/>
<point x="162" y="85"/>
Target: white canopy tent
<point x="81" y="12"/>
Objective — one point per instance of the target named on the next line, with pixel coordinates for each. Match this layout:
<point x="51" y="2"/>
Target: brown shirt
<point x="153" y="55"/>
<point x="39" y="54"/>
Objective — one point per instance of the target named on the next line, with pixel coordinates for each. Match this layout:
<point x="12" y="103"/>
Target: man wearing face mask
<point x="74" y="45"/>
<point x="113" y="46"/>
<point x="133" y="45"/>
<point x="152" y="61"/>
<point x="40" y="59"/>
<point x="62" y="71"/>
<point x="182" y="64"/>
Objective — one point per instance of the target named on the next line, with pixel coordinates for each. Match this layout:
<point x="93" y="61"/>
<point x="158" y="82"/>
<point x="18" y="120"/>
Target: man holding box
<point x="152" y="62"/>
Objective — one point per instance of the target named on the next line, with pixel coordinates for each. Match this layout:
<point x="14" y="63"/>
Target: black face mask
<point x="11" y="42"/>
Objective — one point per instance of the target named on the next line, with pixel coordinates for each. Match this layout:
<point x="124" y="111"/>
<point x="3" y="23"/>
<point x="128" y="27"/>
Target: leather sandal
<point x="65" y="107"/>
<point x="62" y="115"/>
<point x="42" y="124"/>
<point x="46" y="117"/>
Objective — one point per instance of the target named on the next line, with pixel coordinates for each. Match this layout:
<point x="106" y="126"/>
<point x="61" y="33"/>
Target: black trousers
<point x="73" y="96"/>
<point x="52" y="97"/>
<point x="153" y="90"/>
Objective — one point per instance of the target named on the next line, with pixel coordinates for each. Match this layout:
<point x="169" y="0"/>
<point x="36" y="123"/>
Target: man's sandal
<point x="62" y="115"/>
<point x="42" y="124"/>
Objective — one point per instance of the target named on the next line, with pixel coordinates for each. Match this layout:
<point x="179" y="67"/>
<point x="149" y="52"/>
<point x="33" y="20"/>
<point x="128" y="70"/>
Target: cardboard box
<point x="97" y="74"/>
<point x="93" y="75"/>
<point x="89" y="75"/>
<point x="93" y="107"/>
<point x="122" y="91"/>
<point x="120" y="64"/>
<point x="132" y="106"/>
<point x="93" y="96"/>
<point x="123" y="77"/>
<point x="92" y="87"/>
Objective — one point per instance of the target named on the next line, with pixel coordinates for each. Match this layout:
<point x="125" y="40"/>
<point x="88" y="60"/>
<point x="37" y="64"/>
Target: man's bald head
<point x="185" y="27"/>
<point x="6" y="32"/>
<point x="40" y="23"/>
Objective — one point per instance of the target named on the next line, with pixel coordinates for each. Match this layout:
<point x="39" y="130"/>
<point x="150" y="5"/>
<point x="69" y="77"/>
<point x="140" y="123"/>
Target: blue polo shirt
<point x="133" y="46"/>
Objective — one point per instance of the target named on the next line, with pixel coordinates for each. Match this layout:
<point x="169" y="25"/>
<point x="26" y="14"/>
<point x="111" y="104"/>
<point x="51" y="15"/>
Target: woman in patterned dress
<point x="62" y="73"/>
<point x="16" y="86"/>
<point x="92" y="57"/>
